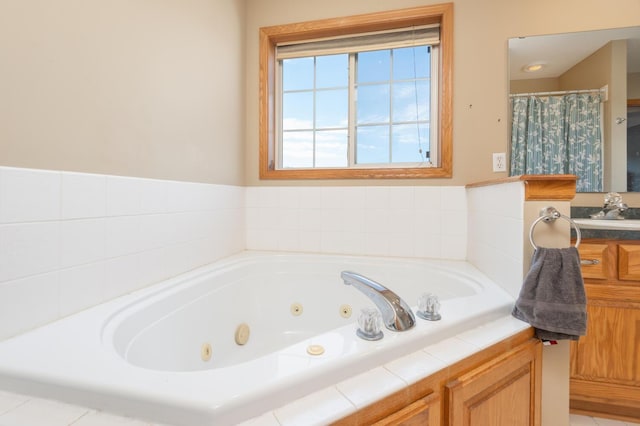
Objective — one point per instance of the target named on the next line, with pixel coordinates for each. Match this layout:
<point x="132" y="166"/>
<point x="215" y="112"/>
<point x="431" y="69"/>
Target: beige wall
<point x="534" y="85"/>
<point x="482" y="28"/>
<point x="136" y="88"/>
<point x="159" y="89"/>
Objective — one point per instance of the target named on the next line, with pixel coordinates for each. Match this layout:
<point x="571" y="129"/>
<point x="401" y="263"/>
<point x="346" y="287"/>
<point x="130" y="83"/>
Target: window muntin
<point x="389" y="91"/>
<point x="318" y="32"/>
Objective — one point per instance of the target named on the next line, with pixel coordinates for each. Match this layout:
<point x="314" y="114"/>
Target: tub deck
<point x="77" y="360"/>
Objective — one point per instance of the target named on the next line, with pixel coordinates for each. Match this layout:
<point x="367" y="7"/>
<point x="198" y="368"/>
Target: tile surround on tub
<point x="149" y="230"/>
<point x="72" y="240"/>
<point x="380" y="221"/>
<point x="495" y="232"/>
<point x="79" y="239"/>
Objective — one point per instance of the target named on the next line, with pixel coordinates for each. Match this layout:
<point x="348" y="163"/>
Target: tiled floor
<point x="591" y="421"/>
<point x="22" y="410"/>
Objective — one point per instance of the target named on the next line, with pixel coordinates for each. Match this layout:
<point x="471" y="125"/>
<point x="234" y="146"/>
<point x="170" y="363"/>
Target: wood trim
<point x="539" y="187"/>
<point x="552" y="189"/>
<point x="379" y="21"/>
<point x="610" y="399"/>
<point x="633" y="102"/>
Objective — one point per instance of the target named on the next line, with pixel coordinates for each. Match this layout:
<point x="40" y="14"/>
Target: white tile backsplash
<point x="28" y="248"/>
<point x="69" y="241"/>
<point x="495" y="233"/>
<point x="380" y="221"/>
<point x="83" y="195"/>
<point x="28" y="302"/>
<point x="29" y="195"/>
<point x="122" y="235"/>
<point x="122" y="274"/>
<point x="124" y="196"/>
<point x="82" y="241"/>
<point x="81" y="287"/>
<point x="97" y="236"/>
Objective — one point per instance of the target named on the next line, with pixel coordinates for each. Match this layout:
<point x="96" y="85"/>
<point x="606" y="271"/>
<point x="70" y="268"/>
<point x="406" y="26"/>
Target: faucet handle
<point x="369" y="322"/>
<point x="429" y="307"/>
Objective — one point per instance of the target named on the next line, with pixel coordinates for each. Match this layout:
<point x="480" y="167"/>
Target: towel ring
<point x="549" y="215"/>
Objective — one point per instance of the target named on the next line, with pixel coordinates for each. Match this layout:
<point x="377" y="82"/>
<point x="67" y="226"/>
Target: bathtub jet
<point x="396" y="314"/>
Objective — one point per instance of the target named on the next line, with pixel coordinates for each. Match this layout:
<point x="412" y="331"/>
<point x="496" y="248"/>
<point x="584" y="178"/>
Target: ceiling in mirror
<point x="559" y="52"/>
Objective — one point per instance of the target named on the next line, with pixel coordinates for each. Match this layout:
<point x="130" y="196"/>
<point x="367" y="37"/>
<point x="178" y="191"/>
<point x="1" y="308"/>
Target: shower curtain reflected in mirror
<point x="558" y="134"/>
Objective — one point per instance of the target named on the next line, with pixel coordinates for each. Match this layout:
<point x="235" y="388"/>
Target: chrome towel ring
<point x="549" y="215"/>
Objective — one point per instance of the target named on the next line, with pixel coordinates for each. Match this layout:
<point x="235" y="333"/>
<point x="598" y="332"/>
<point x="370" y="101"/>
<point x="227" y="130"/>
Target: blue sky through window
<point x="392" y="88"/>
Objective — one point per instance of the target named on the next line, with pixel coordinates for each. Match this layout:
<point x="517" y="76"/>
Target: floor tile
<point x="40" y="412"/>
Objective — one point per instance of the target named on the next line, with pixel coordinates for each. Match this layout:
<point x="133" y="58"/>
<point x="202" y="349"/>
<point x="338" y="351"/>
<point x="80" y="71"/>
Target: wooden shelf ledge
<point x="539" y="187"/>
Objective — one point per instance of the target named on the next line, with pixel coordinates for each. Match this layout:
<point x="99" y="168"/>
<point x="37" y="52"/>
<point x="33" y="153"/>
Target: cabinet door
<point x="595" y="260"/>
<point x="502" y="392"/>
<point x="609" y="352"/>
<point x="629" y="262"/>
<point x="423" y="412"/>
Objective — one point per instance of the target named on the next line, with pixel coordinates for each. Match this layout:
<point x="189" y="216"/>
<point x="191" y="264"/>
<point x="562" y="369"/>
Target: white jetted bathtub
<point x="239" y="337"/>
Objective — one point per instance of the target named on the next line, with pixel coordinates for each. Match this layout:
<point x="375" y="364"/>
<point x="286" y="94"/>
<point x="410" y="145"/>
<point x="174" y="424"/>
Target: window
<point x="360" y="97"/>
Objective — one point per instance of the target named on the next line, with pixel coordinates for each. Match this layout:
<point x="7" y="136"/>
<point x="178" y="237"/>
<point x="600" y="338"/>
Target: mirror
<point x="602" y="59"/>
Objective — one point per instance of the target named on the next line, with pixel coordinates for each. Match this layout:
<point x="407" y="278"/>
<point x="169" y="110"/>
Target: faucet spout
<point x="396" y="314"/>
<point x="613" y="206"/>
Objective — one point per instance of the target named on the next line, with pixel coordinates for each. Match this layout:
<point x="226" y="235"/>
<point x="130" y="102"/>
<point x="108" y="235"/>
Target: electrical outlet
<point x="499" y="162"/>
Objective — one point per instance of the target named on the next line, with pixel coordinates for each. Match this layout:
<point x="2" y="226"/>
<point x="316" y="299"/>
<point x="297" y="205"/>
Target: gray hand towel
<point x="552" y="298"/>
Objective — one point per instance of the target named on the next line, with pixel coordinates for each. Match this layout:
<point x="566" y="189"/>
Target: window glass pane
<point x="411" y="101"/>
<point x="332" y="108"/>
<point x="411" y="62"/>
<point x="332" y="71"/>
<point x="331" y="148"/>
<point x="297" y="74"/>
<point x="408" y="140"/>
<point x="374" y="66"/>
<point x="297" y="110"/>
<point x="373" y="104"/>
<point x="372" y="144"/>
<point x="297" y="149"/>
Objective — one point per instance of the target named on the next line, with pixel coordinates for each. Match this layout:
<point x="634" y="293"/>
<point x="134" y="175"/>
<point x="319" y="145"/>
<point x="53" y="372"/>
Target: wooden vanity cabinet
<point x="499" y="386"/>
<point x="502" y="392"/>
<point x="605" y="364"/>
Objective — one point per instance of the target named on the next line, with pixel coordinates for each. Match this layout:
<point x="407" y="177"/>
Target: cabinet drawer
<point x="629" y="262"/>
<point x="597" y="254"/>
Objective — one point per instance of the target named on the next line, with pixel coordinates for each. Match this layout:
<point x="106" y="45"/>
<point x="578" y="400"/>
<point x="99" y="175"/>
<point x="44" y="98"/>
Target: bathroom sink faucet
<point x="613" y="206"/>
<point x="396" y="314"/>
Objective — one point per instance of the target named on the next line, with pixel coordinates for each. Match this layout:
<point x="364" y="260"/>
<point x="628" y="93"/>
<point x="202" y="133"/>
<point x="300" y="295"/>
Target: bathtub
<point x="239" y="337"/>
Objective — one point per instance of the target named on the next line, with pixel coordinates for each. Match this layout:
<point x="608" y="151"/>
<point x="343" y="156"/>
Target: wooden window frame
<point x="379" y="21"/>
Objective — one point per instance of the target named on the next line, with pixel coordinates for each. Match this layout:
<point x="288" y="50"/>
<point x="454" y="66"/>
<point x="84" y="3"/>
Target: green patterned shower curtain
<point x="558" y="135"/>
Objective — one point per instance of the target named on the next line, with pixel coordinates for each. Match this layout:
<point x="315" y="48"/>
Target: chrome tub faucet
<point x="396" y="314"/>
